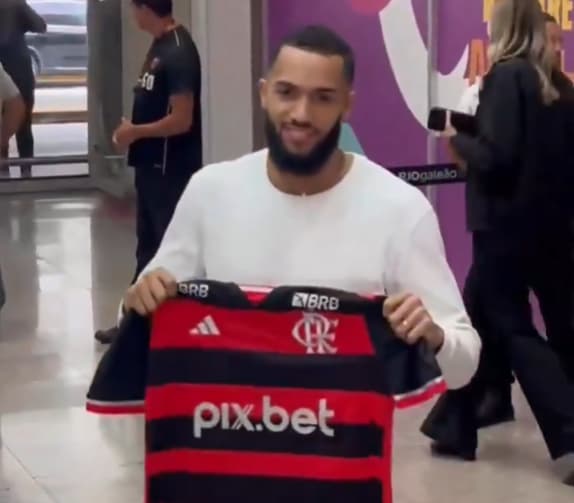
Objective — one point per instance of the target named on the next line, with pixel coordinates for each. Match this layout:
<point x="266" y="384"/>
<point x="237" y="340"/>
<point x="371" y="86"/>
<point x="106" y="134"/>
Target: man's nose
<point x="301" y="112"/>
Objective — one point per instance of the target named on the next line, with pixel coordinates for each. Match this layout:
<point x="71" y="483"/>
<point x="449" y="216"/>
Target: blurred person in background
<point x="16" y="19"/>
<point x="163" y="139"/>
<point x="12" y="114"/>
<point x="520" y="186"/>
<point x="495" y="406"/>
<point x="12" y="107"/>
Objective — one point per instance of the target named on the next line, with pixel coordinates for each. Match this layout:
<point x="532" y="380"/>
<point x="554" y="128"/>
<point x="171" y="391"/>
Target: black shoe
<point x="496" y="408"/>
<point x="453" y="451"/>
<point x="106" y="336"/>
<point x="451" y="425"/>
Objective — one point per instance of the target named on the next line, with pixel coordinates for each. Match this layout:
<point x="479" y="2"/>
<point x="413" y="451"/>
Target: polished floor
<point x="65" y="262"/>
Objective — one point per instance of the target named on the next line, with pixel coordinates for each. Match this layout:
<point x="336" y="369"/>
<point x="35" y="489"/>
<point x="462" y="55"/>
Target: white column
<point x="222" y="32"/>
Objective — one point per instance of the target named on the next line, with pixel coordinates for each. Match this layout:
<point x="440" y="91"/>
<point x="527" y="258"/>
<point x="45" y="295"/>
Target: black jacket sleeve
<point x="497" y="146"/>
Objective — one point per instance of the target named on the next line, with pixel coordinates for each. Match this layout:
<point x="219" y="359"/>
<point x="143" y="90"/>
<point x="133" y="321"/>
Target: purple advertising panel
<point x="391" y="43"/>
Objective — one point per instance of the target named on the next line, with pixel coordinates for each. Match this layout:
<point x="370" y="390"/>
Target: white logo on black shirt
<point x="147" y="81"/>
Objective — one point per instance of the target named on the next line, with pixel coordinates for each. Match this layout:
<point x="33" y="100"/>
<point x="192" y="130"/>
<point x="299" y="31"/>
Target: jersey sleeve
<point x="411" y="374"/>
<point x="419" y="378"/>
<point x="182" y="68"/>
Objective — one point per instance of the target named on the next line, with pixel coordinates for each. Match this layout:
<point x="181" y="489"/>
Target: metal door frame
<point x="432" y="92"/>
<point x="259" y="50"/>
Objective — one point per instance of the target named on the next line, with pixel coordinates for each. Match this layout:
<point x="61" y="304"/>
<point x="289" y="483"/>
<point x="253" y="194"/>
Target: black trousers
<point x="157" y="198"/>
<point x="495" y="370"/>
<point x="508" y="266"/>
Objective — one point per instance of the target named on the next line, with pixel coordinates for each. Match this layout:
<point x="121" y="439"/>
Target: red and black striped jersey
<point x="284" y="395"/>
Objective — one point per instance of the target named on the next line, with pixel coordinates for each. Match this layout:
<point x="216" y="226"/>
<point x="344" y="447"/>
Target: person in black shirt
<point x="163" y="139"/>
<point x="16" y="19"/>
<point x="520" y="185"/>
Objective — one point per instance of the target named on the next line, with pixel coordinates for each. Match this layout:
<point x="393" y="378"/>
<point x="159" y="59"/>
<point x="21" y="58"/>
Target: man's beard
<point x="296" y="164"/>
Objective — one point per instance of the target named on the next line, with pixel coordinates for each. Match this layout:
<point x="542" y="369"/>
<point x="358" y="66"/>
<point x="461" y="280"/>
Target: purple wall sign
<point x="390" y="41"/>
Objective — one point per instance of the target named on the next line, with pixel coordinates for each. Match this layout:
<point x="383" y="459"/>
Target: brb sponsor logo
<point x="197" y="290"/>
<point x="274" y="419"/>
<point x="315" y="302"/>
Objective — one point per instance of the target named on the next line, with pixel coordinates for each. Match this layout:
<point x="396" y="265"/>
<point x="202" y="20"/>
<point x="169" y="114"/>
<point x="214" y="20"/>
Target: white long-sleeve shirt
<point x="371" y="233"/>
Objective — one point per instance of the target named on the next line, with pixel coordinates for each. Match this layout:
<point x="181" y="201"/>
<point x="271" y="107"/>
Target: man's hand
<point x="150" y="292"/>
<point x="125" y="134"/>
<point x="411" y="322"/>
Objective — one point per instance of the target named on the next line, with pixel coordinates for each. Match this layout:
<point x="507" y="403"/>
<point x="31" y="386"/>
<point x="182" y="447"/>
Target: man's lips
<point x="297" y="134"/>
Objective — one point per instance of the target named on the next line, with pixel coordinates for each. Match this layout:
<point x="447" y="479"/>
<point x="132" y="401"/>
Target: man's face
<point x="556" y="40"/>
<point x="141" y="16"/>
<point x="306" y="97"/>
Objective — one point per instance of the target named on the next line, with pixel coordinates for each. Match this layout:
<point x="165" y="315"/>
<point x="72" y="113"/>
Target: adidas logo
<point x="205" y="327"/>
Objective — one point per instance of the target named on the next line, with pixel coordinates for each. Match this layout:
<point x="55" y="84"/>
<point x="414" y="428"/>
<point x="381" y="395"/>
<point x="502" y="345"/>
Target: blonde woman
<point x="520" y="200"/>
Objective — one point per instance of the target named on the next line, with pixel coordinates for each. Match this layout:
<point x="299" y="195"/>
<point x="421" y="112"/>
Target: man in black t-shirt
<point x="163" y="139"/>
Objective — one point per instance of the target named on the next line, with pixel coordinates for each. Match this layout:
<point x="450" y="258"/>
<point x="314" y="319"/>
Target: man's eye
<point x="325" y="98"/>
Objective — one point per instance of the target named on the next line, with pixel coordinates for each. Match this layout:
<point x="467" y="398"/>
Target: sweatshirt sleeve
<point x="180" y="252"/>
<point x="423" y="270"/>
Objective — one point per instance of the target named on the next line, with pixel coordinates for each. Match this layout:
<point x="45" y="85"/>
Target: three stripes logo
<point x="206" y="327"/>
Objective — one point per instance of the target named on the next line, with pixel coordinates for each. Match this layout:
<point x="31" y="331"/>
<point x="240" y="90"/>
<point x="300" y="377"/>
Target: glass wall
<point x="59" y="61"/>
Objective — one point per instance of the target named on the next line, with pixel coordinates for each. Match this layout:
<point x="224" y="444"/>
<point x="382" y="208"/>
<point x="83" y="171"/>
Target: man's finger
<point x="157" y="289"/>
<point x="404" y="311"/>
<point x="405" y="324"/>
<point x="168" y="281"/>
<point x="137" y="306"/>
<point x="145" y="296"/>
<point x="416" y="317"/>
<point x="419" y="331"/>
<point x="393" y="302"/>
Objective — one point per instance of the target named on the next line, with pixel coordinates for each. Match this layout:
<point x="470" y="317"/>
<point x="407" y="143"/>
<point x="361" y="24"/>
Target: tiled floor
<point x="65" y="262"/>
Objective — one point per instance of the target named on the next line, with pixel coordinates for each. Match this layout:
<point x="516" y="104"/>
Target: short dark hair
<point x="161" y="8"/>
<point x="549" y="18"/>
<point x="321" y="40"/>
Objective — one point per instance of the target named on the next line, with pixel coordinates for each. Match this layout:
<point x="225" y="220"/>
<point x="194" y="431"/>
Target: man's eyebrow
<point x="285" y="83"/>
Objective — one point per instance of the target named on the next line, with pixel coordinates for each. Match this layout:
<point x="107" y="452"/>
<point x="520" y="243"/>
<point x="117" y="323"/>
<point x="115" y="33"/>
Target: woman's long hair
<point x="518" y="29"/>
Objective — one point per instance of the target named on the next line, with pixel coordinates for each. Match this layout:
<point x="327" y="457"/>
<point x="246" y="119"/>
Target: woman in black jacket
<point x="520" y="194"/>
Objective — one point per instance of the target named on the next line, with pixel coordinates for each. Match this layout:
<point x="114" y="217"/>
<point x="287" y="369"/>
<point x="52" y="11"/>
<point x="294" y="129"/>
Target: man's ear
<point x="263" y="88"/>
<point x="350" y="106"/>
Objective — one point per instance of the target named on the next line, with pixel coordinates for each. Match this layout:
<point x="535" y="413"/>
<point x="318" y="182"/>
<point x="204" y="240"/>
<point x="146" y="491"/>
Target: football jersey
<point x="281" y="395"/>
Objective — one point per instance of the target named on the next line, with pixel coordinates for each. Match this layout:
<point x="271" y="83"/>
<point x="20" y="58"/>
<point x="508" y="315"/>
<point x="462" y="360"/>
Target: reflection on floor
<point x="65" y="261"/>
